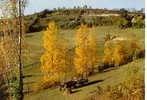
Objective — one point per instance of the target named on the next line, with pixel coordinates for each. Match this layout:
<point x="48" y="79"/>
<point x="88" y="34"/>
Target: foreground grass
<point x="112" y="77"/>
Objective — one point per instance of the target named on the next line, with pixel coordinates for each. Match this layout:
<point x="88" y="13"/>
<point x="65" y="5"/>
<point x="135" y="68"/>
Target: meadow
<point x="79" y="53"/>
<point x="32" y="73"/>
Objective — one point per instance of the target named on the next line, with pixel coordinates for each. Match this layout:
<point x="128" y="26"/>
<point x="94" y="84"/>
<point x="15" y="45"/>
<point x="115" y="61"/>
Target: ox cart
<point x="75" y="83"/>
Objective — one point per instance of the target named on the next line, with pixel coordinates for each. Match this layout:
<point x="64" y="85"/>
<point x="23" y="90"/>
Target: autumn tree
<point x="135" y="50"/>
<point x="118" y="56"/>
<point x="54" y="60"/>
<point x="108" y="53"/>
<point x="11" y="35"/>
<point x="86" y="51"/>
<point x="9" y="57"/>
<point x="92" y="49"/>
<point x="121" y="52"/>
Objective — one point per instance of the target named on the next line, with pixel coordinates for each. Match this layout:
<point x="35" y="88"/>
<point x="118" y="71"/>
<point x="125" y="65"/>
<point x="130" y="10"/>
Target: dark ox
<point x="67" y="85"/>
<point x="72" y="84"/>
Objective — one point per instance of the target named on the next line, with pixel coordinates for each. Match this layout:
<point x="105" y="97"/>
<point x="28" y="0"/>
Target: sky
<point x="39" y="5"/>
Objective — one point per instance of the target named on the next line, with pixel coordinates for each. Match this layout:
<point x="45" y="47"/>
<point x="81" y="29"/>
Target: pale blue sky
<point x="39" y="5"/>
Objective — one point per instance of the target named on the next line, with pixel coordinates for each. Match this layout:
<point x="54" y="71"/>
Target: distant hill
<point x="72" y="18"/>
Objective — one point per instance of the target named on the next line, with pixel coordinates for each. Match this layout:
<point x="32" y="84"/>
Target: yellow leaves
<point x="81" y="49"/>
<point x="93" y="47"/>
<point x="108" y="59"/>
<point x="80" y="52"/>
<point x="48" y="78"/>
<point x="86" y="50"/>
<point x="46" y="82"/>
<point x="52" y="28"/>
<point x="54" y="59"/>
<point x="81" y="35"/>
<point x="50" y="36"/>
<point x="119" y="54"/>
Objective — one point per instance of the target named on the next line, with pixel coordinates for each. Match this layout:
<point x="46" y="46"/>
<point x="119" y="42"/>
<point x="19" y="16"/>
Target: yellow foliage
<point x="93" y="49"/>
<point x="47" y="82"/>
<point x="120" y="54"/>
<point x="86" y="50"/>
<point x="54" y="60"/>
<point x="107" y="53"/>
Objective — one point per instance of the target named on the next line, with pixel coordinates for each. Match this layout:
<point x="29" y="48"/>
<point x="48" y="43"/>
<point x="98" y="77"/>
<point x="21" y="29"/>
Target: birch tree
<point x="54" y="60"/>
<point x="86" y="51"/>
<point x="11" y="35"/>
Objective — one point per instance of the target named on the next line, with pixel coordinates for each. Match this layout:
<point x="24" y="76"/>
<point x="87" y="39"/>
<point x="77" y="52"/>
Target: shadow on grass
<point x="27" y="76"/>
<point x="33" y="64"/>
<point x="28" y="92"/>
<point x="29" y="35"/>
<point x="75" y="91"/>
<point x="110" y="69"/>
<point x="28" y="83"/>
<point x="89" y="83"/>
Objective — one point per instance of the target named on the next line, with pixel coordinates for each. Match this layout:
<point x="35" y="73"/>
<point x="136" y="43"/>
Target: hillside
<point x="72" y="50"/>
<point x="72" y="18"/>
<point x="112" y="77"/>
<point x="32" y="73"/>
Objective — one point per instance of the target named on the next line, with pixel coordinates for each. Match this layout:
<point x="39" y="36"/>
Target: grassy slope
<point x="112" y="77"/>
<point x="32" y="69"/>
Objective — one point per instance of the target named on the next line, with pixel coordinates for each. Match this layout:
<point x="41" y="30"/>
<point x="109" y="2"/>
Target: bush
<point x="141" y="53"/>
<point x="138" y="21"/>
<point x="69" y="25"/>
<point x="117" y="53"/>
<point x="45" y="84"/>
<point x="36" y="28"/>
<point x="128" y="90"/>
<point x="98" y="20"/>
<point x="108" y="54"/>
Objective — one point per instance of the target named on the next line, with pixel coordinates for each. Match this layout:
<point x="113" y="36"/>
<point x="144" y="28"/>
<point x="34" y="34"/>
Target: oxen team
<point x="75" y="83"/>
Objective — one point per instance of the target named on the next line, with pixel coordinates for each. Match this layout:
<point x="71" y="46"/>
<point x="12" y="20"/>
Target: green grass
<point x="112" y="77"/>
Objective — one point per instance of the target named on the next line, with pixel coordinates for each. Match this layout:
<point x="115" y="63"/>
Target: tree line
<point x="56" y="62"/>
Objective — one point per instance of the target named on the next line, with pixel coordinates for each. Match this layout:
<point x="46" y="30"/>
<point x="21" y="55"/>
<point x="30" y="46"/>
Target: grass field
<point x="32" y="65"/>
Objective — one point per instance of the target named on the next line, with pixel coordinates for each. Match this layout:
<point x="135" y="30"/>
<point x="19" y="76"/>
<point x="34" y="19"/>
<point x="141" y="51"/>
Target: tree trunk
<point x="20" y="52"/>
